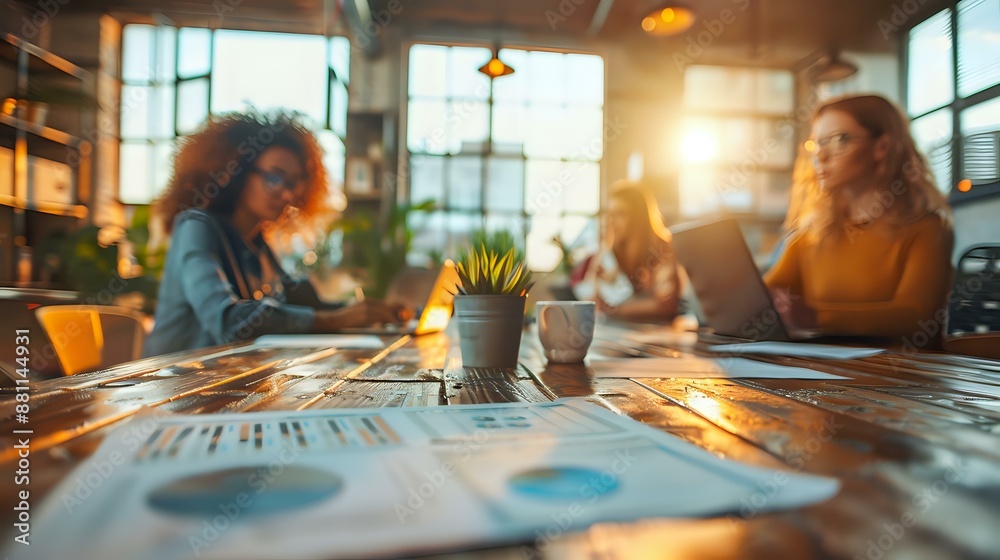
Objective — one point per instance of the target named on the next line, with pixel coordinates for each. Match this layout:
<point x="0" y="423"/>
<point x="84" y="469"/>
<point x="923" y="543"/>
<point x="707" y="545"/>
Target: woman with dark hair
<point x="240" y="174"/>
<point x="634" y="277"/>
<point x="869" y="251"/>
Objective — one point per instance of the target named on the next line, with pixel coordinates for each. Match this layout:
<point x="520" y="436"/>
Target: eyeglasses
<point x="835" y="144"/>
<point x="273" y="181"/>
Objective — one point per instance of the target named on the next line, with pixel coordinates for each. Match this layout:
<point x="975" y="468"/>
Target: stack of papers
<point x="693" y="367"/>
<point x="359" y="483"/>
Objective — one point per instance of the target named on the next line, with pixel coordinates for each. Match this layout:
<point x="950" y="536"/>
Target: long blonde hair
<point x="904" y="173"/>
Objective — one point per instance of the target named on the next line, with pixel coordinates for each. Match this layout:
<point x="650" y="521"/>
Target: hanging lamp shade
<point x="496" y="67"/>
<point x="834" y="68"/>
<point x="667" y="20"/>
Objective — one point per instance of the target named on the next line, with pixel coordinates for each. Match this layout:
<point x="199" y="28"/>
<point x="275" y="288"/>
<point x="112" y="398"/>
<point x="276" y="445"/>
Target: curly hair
<point x="211" y="166"/>
<point x="905" y="173"/>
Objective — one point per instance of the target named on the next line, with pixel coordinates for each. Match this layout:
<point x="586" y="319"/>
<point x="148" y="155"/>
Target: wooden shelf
<point x="54" y="208"/>
<point x="57" y="62"/>
<point x="51" y="134"/>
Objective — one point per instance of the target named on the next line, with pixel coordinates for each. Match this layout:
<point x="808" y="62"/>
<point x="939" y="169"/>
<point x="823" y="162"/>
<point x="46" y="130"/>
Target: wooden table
<point x="914" y="438"/>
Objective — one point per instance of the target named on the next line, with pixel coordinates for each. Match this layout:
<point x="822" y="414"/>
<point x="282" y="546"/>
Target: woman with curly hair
<point x="240" y="174"/>
<point x="869" y="252"/>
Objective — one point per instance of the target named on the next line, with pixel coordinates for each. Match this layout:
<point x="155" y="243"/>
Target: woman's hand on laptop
<point x="364" y="314"/>
<point x="794" y="311"/>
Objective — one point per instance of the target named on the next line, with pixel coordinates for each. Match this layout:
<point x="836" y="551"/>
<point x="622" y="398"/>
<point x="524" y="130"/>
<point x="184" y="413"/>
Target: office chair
<point x="89" y="337"/>
<point x="974" y="305"/>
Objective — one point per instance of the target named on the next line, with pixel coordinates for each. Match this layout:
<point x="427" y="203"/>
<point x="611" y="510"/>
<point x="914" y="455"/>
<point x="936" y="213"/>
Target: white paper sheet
<point x="359" y="483"/>
<point x="693" y="367"/>
<point x="798" y="350"/>
<point x="359" y="341"/>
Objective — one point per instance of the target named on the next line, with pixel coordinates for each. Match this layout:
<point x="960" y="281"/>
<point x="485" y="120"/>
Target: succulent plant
<point x="485" y="271"/>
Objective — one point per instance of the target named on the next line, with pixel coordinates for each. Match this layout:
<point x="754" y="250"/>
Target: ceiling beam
<point x="600" y="16"/>
<point x="365" y="31"/>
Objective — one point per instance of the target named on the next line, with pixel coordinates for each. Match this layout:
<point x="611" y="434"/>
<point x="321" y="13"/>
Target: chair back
<point x="88" y="337"/>
<point x="974" y="305"/>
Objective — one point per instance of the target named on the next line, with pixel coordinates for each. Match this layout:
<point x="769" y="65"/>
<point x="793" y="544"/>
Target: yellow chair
<point x="78" y="334"/>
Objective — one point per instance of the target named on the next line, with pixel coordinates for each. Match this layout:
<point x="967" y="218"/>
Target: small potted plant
<point x="489" y="305"/>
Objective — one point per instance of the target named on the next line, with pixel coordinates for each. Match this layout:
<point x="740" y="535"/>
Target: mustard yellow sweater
<point x="876" y="280"/>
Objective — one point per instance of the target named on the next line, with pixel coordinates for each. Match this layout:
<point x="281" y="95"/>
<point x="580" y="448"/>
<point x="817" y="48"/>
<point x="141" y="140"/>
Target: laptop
<point x="734" y="299"/>
<point x="436" y="311"/>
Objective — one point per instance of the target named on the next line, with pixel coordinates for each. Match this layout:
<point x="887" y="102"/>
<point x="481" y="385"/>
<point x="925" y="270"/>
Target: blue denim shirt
<point x="215" y="289"/>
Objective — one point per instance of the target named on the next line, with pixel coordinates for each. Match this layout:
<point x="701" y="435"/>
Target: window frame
<point x="957" y="106"/>
<point x="404" y="190"/>
<point x="174" y="82"/>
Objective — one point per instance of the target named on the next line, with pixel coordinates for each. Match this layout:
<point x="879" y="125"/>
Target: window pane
<point x="697" y="191"/>
<point x="978" y="45"/>
<point x="427" y="179"/>
<point x="425" y="130"/>
<point x="427" y="70"/>
<point x="464" y="78"/>
<point x="135" y="173"/>
<point x="930" y="67"/>
<point x="586" y="79"/>
<point x="718" y="87"/>
<point x="547" y="82"/>
<point x="428" y="232"/>
<point x="981" y="142"/>
<point x="135" y="111"/>
<point x="465" y="180"/>
<point x="513" y="88"/>
<point x="510" y="127"/>
<point x="556" y="132"/>
<point x="775" y="91"/>
<point x="163" y="153"/>
<point x="340" y="58"/>
<point x="542" y="253"/>
<point x="162" y="110"/>
<point x="932" y="134"/>
<point x="468" y="126"/>
<point x="137" y="53"/>
<point x="511" y="223"/>
<point x="334" y="158"/>
<point x="195" y="48"/>
<point x="505" y="185"/>
<point x="252" y="69"/>
<point x="583" y="190"/>
<point x="192" y="105"/>
<point x="546" y="189"/>
<point x="166" y="50"/>
<point x="338" y="108"/>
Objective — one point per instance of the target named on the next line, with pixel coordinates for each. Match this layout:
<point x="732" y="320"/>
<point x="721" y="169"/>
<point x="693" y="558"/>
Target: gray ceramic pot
<point x="489" y="329"/>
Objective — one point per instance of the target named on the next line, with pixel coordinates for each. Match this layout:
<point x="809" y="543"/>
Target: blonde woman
<point x="634" y="278"/>
<point x="871" y="235"/>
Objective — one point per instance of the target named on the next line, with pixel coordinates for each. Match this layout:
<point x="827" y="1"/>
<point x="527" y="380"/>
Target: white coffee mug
<point x="566" y="329"/>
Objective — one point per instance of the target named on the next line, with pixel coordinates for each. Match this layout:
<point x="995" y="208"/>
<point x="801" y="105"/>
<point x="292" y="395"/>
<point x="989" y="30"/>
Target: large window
<point x="953" y="96"/>
<point x="736" y="142"/>
<point x="522" y="154"/>
<point x="174" y="78"/>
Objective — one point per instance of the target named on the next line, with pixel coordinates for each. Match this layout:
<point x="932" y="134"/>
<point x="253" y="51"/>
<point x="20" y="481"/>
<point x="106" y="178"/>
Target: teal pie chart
<point x="562" y="483"/>
<point x="251" y="491"/>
